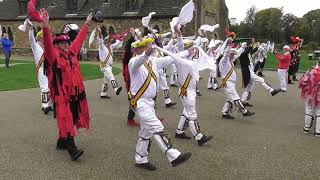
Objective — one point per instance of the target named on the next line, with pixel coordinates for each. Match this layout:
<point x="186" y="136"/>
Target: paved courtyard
<point x="269" y="145"/>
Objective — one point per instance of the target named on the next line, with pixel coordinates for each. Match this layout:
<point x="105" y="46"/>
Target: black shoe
<point x="248" y="113"/>
<point x="181" y="159"/>
<point x="198" y="93"/>
<point x="204" y="140"/>
<point x="118" y="90"/>
<point x="275" y="91"/>
<point x="317" y="134"/>
<point x="105" y="97"/>
<point x="211" y="88"/>
<point x="171" y="104"/>
<point x="290" y="82"/>
<point x="182" y="136"/>
<point x="61" y="144"/>
<point x="173" y="85"/>
<point x="47" y="110"/>
<point x="227" y="116"/>
<point x="147" y="166"/>
<point x="247" y="104"/>
<point x="260" y="74"/>
<point x="72" y="149"/>
<point x="306" y="130"/>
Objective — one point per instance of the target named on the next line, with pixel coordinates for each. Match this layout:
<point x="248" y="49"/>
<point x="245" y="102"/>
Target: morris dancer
<point x="106" y="60"/>
<point x="143" y="71"/>
<point x="229" y="78"/>
<point x="66" y="84"/>
<point x="309" y="84"/>
<point x="37" y="50"/>
<point x="249" y="77"/>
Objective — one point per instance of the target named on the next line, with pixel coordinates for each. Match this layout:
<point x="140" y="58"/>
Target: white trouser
<point x="232" y="97"/>
<point x="282" y="78"/>
<point x="309" y="117"/>
<point x="162" y="81"/>
<point x="108" y="78"/>
<point x="173" y="77"/>
<point x="250" y="87"/>
<point x="212" y="81"/>
<point x="44" y="88"/>
<point x="189" y="115"/>
<point x="151" y="126"/>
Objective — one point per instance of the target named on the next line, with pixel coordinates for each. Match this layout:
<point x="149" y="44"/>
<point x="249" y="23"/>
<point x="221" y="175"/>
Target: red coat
<point x="66" y="85"/>
<point x="284" y="60"/>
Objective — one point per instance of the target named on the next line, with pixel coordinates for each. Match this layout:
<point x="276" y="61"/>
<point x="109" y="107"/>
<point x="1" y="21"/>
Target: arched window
<point x="104" y="31"/>
<point x="72" y="6"/>
<point x="4" y="30"/>
<point x="131" y="5"/>
<point x="10" y="34"/>
<point x="111" y="30"/>
<point x="23" y="7"/>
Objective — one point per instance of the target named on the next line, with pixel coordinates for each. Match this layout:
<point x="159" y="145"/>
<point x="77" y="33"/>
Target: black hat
<point x="98" y="16"/>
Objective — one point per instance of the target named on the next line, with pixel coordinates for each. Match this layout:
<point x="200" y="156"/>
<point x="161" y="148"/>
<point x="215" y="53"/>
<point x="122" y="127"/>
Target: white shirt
<point x="175" y="47"/>
<point x="37" y="50"/>
<point x="104" y="51"/>
<point x="139" y="73"/>
<point x="225" y="64"/>
<point x="184" y="68"/>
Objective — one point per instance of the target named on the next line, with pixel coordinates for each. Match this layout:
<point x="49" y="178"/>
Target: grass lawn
<point x="305" y="63"/>
<point x="22" y="76"/>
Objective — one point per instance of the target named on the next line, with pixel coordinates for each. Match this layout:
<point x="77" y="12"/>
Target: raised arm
<point x="139" y="61"/>
<point x="49" y="52"/>
<point x="116" y="45"/>
<point x="32" y="40"/>
<point x="47" y="40"/>
<point x="77" y="43"/>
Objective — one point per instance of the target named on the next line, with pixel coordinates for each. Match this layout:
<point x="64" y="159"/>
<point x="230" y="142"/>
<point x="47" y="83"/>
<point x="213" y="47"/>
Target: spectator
<point x="83" y="53"/>
<point x="6" y="47"/>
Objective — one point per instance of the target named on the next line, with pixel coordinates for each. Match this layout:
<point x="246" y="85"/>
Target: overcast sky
<point x="238" y="8"/>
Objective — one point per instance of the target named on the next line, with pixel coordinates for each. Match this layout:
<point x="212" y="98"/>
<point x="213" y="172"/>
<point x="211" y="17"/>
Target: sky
<point x="238" y="8"/>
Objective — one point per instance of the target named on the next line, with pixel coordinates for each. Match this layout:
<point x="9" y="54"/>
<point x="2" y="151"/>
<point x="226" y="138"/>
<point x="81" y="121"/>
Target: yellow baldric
<point x="39" y="65"/>
<point x="183" y="89"/>
<point x="103" y="64"/>
<point x="144" y="87"/>
<point x="224" y="80"/>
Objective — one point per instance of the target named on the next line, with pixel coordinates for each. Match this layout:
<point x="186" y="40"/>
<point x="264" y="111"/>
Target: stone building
<point x="118" y="14"/>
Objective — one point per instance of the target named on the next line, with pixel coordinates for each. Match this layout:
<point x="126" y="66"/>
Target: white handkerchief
<point x="146" y="20"/>
<point x="23" y="26"/>
<point x="91" y="38"/>
<point x="208" y="28"/>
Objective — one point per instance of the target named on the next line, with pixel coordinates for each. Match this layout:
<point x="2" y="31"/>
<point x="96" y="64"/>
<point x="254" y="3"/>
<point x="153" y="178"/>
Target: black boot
<point x="182" y="136"/>
<point x="181" y="159"/>
<point x="204" y="140"/>
<point x="275" y="91"/>
<point x="147" y="166"/>
<point x="47" y="110"/>
<point x="248" y="113"/>
<point x="171" y="104"/>
<point x="61" y="144"/>
<point x="289" y="80"/>
<point x="118" y="90"/>
<point x="72" y="149"/>
<point x="227" y="116"/>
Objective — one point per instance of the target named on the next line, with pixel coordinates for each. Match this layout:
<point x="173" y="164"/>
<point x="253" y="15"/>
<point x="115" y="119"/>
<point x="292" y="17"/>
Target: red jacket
<point x="66" y="84"/>
<point x="284" y="60"/>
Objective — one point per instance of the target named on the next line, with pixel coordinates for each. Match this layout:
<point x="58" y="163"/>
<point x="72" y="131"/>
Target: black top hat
<point x="98" y="16"/>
